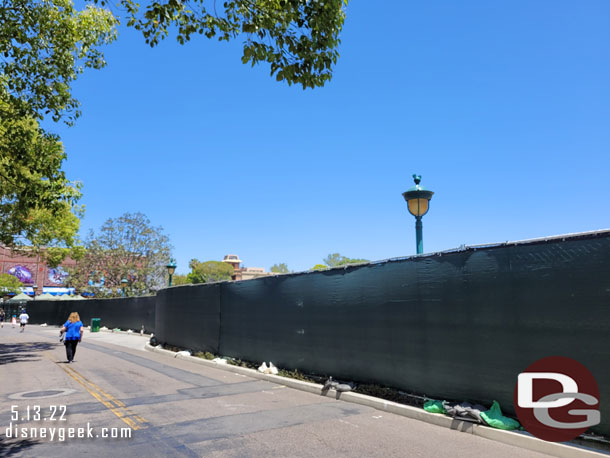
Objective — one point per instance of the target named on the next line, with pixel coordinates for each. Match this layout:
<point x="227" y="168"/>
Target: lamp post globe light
<point x="418" y="201"/>
<point x="124" y="282"/>
<point x="171" y="268"/>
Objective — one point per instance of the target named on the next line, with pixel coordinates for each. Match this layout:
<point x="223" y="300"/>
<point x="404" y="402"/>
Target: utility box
<point x="95" y="324"/>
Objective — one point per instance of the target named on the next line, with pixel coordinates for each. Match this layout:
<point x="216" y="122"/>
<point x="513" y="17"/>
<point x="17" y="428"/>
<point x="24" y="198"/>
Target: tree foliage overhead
<point x="44" y="46"/>
<point x="37" y="202"/>
<point x="335" y="260"/>
<point x="127" y="247"/>
<point x="209" y="271"/>
<point x="297" y="38"/>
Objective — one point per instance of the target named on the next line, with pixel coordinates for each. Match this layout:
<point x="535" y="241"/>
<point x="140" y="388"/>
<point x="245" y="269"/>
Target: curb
<point x="112" y="331"/>
<point x="517" y="439"/>
<point x="88" y="329"/>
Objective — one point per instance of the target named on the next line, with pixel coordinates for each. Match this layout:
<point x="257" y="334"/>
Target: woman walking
<point x="74" y="333"/>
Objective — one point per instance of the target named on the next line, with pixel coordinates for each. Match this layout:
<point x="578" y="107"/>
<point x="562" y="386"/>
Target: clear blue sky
<point x="502" y="107"/>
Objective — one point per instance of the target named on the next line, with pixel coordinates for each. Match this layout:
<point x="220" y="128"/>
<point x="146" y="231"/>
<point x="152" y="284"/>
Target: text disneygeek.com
<point x="53" y="430"/>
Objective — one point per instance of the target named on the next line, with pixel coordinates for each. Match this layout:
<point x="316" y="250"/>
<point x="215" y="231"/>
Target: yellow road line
<point x="83" y="381"/>
<point x="97" y="388"/>
<point x="116" y="406"/>
<point x="109" y="405"/>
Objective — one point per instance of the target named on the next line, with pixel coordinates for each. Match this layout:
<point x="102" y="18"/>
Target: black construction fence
<point x="457" y="325"/>
<point x="125" y="313"/>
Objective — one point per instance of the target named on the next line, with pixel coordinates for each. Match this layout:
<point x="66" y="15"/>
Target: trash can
<point x="95" y="324"/>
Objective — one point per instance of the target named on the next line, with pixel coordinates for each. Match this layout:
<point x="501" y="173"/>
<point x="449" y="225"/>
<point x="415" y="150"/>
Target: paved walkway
<point x="177" y="408"/>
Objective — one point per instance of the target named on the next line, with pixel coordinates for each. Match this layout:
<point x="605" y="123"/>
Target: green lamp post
<point x="124" y="282"/>
<point x="171" y="268"/>
<point x="418" y="201"/>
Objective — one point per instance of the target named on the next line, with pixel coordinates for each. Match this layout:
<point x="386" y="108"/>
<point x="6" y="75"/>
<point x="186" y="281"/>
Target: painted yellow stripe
<point x="106" y="403"/>
<point x="96" y="387"/>
<point x="116" y="406"/>
<point x="128" y="414"/>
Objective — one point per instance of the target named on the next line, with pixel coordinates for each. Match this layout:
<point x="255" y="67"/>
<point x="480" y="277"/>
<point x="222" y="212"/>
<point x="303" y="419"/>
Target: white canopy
<point x="21" y="297"/>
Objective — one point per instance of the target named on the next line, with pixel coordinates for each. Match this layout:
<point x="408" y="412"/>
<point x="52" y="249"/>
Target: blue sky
<point x="502" y="107"/>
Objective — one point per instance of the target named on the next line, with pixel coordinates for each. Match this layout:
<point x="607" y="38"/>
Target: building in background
<point x="244" y="273"/>
<point x="32" y="271"/>
<point x="38" y="278"/>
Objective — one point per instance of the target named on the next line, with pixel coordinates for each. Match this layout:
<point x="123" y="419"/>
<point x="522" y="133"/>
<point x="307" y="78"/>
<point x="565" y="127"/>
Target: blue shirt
<point x="73" y="330"/>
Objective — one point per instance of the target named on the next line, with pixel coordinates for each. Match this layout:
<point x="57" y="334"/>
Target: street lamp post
<point x="171" y="268"/>
<point x="124" y="282"/>
<point x="34" y="288"/>
<point x="418" y="201"/>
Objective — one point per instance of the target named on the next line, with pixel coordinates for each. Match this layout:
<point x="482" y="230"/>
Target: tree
<point x="280" y="268"/>
<point x="55" y="255"/>
<point x="9" y="284"/>
<point x="38" y="205"/>
<point x="319" y="267"/>
<point x="178" y="280"/>
<point x="129" y="248"/>
<point x="297" y="38"/>
<point x="209" y="271"/>
<point x="335" y="260"/>
<point x="44" y="46"/>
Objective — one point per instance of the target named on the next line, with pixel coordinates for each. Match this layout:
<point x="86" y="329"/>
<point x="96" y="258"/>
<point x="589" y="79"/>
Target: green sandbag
<point x="434" y="407"/>
<point x="495" y="419"/>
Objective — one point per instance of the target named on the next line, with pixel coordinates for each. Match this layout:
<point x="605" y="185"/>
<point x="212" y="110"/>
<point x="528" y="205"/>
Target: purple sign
<point x="22" y="273"/>
<point x="57" y="275"/>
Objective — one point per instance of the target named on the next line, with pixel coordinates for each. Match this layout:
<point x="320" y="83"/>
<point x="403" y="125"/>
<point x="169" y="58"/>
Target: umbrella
<point x="47" y="296"/>
<point x="21" y="297"/>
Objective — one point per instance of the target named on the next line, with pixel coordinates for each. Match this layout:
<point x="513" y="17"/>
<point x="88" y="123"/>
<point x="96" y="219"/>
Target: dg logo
<point x="557" y="399"/>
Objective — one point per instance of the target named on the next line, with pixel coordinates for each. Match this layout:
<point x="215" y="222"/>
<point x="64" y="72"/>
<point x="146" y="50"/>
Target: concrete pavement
<point x="172" y="407"/>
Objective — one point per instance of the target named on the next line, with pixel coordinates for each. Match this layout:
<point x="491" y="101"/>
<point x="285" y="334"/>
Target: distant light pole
<point x="418" y="201"/>
<point x="124" y="282"/>
<point x="171" y="268"/>
<point x="34" y="288"/>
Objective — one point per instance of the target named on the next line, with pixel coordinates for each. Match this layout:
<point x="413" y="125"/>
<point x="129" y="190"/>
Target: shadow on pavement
<point x="26" y="351"/>
<point x="14" y="446"/>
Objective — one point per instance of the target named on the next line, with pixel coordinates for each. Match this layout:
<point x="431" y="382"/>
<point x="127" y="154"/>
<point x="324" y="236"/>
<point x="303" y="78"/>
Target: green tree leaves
<point x="335" y="260"/>
<point x="297" y="38"/>
<point x="38" y="205"/>
<point x="44" y="46"/>
<point x="281" y="268"/>
<point x="209" y="271"/>
<point x="9" y="284"/>
<point x="127" y="247"/>
<point x="178" y="280"/>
